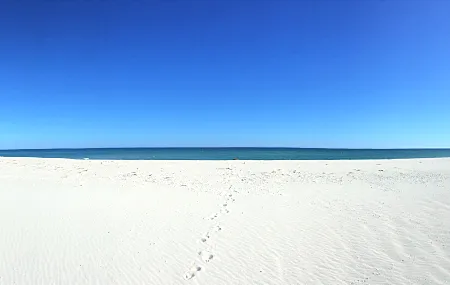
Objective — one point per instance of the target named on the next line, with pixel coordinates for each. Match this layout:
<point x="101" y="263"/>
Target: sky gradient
<point x="356" y="74"/>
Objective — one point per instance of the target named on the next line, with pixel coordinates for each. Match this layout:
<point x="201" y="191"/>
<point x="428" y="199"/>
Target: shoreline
<point x="225" y="160"/>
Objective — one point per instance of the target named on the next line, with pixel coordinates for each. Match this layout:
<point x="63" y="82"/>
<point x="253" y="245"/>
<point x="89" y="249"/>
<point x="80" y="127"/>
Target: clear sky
<point x="224" y="73"/>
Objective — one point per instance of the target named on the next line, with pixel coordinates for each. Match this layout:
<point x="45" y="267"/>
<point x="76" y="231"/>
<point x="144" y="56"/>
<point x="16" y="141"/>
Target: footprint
<point x="206" y="256"/>
<point x="225" y="211"/>
<point x="217" y="228"/>
<point x="230" y="198"/>
<point x="225" y="205"/>
<point x="189" y="275"/>
<point x="205" y="238"/>
<point x="213" y="217"/>
<point x="192" y="272"/>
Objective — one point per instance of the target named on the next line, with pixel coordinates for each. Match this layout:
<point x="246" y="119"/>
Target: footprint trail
<point x="205" y="254"/>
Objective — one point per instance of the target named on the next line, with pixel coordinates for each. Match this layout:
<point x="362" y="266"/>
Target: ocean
<point x="227" y="153"/>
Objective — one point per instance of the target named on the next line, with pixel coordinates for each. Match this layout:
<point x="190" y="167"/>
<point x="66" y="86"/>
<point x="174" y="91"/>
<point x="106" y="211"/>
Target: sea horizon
<point x="228" y="153"/>
<point x="226" y="147"/>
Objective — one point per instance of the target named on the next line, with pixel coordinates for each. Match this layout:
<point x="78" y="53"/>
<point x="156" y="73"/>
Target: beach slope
<point x="224" y="222"/>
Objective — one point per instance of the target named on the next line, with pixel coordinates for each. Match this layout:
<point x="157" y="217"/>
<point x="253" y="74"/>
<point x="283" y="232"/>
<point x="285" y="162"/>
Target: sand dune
<point x="224" y="222"/>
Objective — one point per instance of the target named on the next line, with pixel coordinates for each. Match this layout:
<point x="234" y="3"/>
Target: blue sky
<point x="224" y="73"/>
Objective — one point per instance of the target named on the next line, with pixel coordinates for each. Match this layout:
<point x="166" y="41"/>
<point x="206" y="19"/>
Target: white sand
<point x="224" y="222"/>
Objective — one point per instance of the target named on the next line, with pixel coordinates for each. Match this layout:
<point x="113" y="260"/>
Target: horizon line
<point x="221" y="147"/>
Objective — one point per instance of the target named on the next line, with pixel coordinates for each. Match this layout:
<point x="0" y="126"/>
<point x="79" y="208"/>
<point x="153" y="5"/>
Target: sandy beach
<point x="224" y="222"/>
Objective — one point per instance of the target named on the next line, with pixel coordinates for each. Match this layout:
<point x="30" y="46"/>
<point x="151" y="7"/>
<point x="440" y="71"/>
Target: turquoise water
<point x="227" y="153"/>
